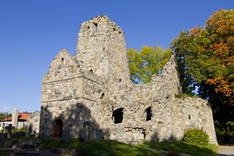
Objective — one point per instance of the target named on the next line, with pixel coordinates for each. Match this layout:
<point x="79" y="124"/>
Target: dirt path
<point x="225" y="151"/>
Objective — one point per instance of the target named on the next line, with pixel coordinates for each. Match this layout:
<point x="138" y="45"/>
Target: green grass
<point x="101" y="148"/>
<point x="114" y="148"/>
<point x="182" y="147"/>
<point x="22" y="137"/>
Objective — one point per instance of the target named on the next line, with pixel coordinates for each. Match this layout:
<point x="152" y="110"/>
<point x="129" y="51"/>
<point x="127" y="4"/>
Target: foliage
<point x="196" y="136"/>
<point x="106" y="147"/>
<point x="16" y="130"/>
<point x="184" y="95"/>
<point x="2" y="131"/>
<point x="182" y="147"/>
<point x="146" y="63"/>
<point x="222" y="113"/>
<point x="3" y="115"/>
<point x="207" y="55"/>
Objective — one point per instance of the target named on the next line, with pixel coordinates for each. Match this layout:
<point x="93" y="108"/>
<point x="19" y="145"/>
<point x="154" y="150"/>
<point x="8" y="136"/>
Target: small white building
<point x="22" y="121"/>
<point x="3" y="123"/>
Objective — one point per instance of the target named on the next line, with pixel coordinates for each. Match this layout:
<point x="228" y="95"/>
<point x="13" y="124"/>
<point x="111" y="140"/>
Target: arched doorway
<point x="57" y="128"/>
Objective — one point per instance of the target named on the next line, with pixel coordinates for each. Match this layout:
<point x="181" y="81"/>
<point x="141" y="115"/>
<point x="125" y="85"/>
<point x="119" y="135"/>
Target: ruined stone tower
<point x="90" y="95"/>
<point x="101" y="48"/>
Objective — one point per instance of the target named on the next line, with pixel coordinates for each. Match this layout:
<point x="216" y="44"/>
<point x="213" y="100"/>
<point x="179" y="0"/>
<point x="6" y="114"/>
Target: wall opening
<point x="119" y="80"/>
<point x="144" y="133"/>
<point x="118" y="115"/>
<point x="62" y="59"/>
<point x="57" y="127"/>
<point x="102" y="96"/>
<point x="159" y="72"/>
<point x="96" y="26"/>
<point x="148" y="113"/>
<point x="189" y="117"/>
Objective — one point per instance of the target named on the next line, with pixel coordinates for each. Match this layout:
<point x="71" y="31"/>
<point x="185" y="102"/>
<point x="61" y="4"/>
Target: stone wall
<point x="192" y="113"/>
<point x="146" y="108"/>
<point x="92" y="92"/>
<point x="33" y="123"/>
<point x="101" y="48"/>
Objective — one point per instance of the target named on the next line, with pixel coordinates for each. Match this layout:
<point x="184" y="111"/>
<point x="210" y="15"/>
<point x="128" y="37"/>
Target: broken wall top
<point x="101" y="48"/>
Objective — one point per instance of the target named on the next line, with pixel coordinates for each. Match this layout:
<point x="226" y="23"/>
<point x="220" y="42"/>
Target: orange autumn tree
<point x="206" y="55"/>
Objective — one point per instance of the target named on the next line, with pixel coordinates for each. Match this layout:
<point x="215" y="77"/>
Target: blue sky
<point x="32" y="32"/>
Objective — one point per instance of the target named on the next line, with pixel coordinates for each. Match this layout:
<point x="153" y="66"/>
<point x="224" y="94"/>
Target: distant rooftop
<point x="21" y="117"/>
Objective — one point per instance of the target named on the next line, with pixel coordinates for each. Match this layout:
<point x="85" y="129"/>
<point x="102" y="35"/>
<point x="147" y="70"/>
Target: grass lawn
<point x="101" y="148"/>
<point x="114" y="148"/>
<point x="182" y="147"/>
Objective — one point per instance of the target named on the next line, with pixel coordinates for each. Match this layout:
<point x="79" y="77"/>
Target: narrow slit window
<point x="148" y="113"/>
<point x="102" y="96"/>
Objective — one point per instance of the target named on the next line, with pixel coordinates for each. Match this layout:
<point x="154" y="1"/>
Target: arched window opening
<point x="148" y="113"/>
<point x="189" y="117"/>
<point x="118" y="115"/>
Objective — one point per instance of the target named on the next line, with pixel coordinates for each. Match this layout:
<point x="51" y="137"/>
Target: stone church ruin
<point x="91" y="96"/>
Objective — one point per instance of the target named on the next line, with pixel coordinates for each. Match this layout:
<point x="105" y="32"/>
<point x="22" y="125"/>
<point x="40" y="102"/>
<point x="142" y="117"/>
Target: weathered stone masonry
<point x="90" y="95"/>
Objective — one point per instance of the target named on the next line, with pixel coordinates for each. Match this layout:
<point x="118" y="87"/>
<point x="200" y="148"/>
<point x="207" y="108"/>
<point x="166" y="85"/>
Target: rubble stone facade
<point x="33" y="124"/>
<point x="90" y="95"/>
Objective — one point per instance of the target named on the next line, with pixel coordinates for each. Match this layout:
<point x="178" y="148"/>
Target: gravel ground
<point x="225" y="151"/>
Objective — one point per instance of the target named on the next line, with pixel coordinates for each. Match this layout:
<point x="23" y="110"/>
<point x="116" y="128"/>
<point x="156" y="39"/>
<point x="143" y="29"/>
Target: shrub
<point x="196" y="136"/>
<point x="183" y="95"/>
<point x="16" y="130"/>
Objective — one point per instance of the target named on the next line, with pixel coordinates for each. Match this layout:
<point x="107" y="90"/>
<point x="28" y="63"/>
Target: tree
<point x="205" y="58"/>
<point x="4" y="115"/>
<point x="146" y="63"/>
<point x="206" y="55"/>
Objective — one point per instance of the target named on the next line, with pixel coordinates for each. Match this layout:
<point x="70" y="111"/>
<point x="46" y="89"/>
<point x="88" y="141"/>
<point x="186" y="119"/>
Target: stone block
<point x="99" y="134"/>
<point x="28" y="143"/>
<point x="66" y="135"/>
<point x="6" y="143"/>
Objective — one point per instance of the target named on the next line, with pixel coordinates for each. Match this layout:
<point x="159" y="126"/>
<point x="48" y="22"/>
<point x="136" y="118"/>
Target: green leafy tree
<point x="3" y="115"/>
<point x="146" y="63"/>
<point x="207" y="55"/>
<point x="205" y="58"/>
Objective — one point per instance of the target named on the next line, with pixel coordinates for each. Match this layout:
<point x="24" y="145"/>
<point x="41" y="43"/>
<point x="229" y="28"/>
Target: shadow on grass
<point x="182" y="147"/>
<point x="97" y="148"/>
